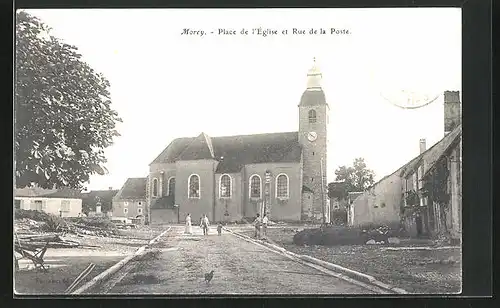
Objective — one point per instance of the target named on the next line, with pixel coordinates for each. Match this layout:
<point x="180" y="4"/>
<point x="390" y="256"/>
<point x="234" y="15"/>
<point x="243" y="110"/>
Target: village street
<point x="240" y="268"/>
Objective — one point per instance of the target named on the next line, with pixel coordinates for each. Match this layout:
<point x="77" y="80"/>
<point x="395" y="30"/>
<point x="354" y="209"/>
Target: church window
<point x="225" y="186"/>
<point x="255" y="187"/>
<point x="312" y="116"/>
<point x="171" y="186"/>
<point x="155" y="187"/>
<point x="282" y="186"/>
<point x="194" y="186"/>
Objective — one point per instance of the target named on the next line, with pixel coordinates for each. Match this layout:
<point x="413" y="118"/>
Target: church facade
<point x="231" y="178"/>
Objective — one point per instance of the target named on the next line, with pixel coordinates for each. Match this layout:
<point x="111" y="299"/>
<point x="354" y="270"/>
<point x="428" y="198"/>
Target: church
<point x="231" y="178"/>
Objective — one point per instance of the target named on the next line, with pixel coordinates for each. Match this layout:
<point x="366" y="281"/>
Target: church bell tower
<point x="313" y="122"/>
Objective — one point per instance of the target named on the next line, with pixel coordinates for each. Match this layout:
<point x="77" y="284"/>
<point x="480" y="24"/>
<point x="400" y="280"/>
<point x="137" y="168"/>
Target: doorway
<point x="418" y="222"/>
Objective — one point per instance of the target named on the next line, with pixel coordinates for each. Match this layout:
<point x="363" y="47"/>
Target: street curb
<point x="327" y="265"/>
<point x="113" y="269"/>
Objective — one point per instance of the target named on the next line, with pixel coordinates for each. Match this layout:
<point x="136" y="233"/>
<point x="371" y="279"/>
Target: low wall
<point x="161" y="216"/>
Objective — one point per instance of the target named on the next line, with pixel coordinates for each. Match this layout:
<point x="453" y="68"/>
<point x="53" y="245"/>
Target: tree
<point x="355" y="178"/>
<point x="63" y="118"/>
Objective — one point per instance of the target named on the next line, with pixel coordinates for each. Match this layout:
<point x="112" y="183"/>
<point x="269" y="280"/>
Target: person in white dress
<point x="265" y="220"/>
<point x="189" y="228"/>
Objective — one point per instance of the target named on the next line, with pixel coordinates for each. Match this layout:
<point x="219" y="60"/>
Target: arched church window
<point x="194" y="186"/>
<point x="255" y="187"/>
<point x="312" y="116"/>
<point x="225" y="186"/>
<point x="282" y="184"/>
<point x="171" y="186"/>
<point x="155" y="187"/>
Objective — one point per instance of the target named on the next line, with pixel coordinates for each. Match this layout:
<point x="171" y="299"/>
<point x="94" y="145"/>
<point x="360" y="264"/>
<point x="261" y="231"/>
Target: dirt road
<point x="240" y="268"/>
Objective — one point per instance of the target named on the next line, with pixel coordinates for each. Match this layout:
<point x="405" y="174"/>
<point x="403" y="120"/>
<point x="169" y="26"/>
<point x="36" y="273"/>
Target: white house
<point x="61" y="202"/>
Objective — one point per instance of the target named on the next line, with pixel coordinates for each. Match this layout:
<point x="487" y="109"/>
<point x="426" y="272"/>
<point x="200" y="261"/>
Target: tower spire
<point x="314" y="77"/>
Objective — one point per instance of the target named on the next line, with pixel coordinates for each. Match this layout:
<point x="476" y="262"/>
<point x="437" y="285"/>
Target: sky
<point x="165" y="85"/>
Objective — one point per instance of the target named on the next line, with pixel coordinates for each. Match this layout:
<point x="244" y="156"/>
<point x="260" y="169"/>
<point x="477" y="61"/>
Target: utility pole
<point x="148" y="191"/>
<point x="214" y="197"/>
<point x="322" y="193"/>
<point x="267" y="193"/>
<point x="214" y="194"/>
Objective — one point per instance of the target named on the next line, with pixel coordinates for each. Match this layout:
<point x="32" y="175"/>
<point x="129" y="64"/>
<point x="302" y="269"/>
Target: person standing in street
<point x="264" y="225"/>
<point x="257" y="223"/>
<point x="219" y="228"/>
<point x="189" y="228"/>
<point x="204" y="224"/>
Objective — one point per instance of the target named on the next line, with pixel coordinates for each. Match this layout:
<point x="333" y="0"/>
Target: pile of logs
<point x="89" y="230"/>
<point x="28" y="226"/>
<point x="48" y="240"/>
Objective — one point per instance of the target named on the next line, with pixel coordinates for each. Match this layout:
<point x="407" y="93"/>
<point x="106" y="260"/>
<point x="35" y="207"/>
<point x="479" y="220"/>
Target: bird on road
<point x="209" y="276"/>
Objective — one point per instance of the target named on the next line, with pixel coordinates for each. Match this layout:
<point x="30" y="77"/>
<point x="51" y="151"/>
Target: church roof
<point x="313" y="98"/>
<point x="134" y="188"/>
<point x="233" y="152"/>
<point x="199" y="148"/>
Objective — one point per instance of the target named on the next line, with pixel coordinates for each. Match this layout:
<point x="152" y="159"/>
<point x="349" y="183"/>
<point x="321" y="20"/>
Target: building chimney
<point x="423" y="146"/>
<point x="452" y="110"/>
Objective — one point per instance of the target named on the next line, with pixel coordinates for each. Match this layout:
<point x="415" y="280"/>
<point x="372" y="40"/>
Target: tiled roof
<point x="432" y="155"/>
<point x="354" y="195"/>
<point x="233" y="152"/>
<point x="199" y="148"/>
<point x="134" y="188"/>
<point x="67" y="193"/>
<point x="90" y="197"/>
<point x="173" y="150"/>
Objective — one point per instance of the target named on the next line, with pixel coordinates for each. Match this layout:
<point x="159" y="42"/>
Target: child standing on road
<point x="219" y="228"/>
<point x="257" y="222"/>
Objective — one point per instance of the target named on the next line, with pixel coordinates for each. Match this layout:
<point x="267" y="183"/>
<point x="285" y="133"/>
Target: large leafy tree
<point x="63" y="118"/>
<point x="353" y="178"/>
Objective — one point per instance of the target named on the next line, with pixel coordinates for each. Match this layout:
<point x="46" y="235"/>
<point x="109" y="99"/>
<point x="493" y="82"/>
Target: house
<point x="63" y="202"/>
<point x="98" y="201"/>
<point x="432" y="189"/>
<point x="424" y="195"/>
<point x="130" y="201"/>
<point x="229" y="178"/>
<point x="379" y="204"/>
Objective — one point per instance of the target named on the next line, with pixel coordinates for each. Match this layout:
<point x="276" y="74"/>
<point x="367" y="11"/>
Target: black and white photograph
<point x="238" y="152"/>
